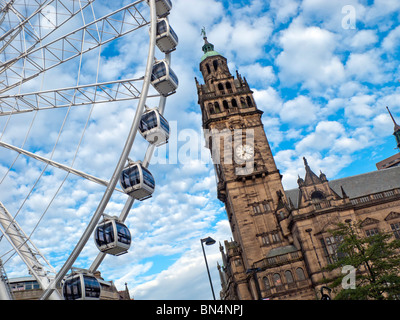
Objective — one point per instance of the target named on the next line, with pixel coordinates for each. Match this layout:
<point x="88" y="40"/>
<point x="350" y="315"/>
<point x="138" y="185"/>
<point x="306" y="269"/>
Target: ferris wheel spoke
<point x="57" y="165"/>
<point x="92" y="35"/>
<point x="42" y="20"/>
<point x="111" y="91"/>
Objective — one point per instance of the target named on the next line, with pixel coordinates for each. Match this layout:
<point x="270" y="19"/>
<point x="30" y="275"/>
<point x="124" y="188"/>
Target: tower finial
<point x="203" y="33"/>
<point x="396" y="126"/>
<point x="305" y="162"/>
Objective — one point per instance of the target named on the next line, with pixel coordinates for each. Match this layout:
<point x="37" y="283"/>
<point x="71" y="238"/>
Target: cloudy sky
<point x="322" y="71"/>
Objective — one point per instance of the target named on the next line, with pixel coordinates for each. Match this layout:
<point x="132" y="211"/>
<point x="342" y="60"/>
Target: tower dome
<point x="208" y="48"/>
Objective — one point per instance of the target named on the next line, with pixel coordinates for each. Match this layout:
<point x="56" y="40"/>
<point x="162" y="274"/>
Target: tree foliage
<point x="376" y="260"/>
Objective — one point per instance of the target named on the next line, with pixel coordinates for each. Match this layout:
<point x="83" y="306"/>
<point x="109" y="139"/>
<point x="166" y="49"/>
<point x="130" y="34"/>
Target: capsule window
<point x="148" y="178"/>
<point x="159" y="71"/>
<point x="123" y="234"/>
<point x="130" y="177"/>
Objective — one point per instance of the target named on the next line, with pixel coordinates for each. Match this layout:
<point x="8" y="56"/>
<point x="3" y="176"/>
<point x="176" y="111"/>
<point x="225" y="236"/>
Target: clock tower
<point x="249" y="183"/>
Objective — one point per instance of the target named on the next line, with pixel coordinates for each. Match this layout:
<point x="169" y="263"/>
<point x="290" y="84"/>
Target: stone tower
<point x="249" y="182"/>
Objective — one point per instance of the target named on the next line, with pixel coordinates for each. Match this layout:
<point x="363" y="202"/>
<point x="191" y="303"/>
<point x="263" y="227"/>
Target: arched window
<point x="277" y="280"/>
<point x="225" y="104"/>
<point x="208" y="68"/>
<point x="300" y="274"/>
<point x="234" y="103"/>
<point x="215" y="64"/>
<point x="228" y="87"/>
<point x="266" y="283"/>
<point x="216" y="107"/>
<point x="221" y="88"/>
<point x="249" y="103"/>
<point x="289" y="277"/>
<point x="317" y="196"/>
<point x="243" y="102"/>
<point x="211" y="108"/>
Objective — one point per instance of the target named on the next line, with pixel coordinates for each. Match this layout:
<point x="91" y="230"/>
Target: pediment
<point x="392" y="215"/>
<point x="369" y="221"/>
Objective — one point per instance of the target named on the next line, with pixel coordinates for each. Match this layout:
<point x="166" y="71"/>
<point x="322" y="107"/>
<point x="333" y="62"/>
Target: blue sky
<point x="323" y="87"/>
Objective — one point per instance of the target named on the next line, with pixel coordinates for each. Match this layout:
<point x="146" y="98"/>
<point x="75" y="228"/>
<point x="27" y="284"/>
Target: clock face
<point x="244" y="152"/>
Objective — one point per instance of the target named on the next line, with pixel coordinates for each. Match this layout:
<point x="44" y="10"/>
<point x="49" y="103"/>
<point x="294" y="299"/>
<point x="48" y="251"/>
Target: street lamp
<point x="208" y="241"/>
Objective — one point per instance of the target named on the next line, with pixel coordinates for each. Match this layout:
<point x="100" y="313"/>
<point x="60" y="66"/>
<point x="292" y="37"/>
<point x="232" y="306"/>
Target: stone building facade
<point x="280" y="237"/>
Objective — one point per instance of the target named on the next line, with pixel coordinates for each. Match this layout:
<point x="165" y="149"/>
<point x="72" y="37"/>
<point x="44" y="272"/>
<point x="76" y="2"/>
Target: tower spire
<point x="208" y="48"/>
<point x="396" y="126"/>
<point x="396" y="132"/>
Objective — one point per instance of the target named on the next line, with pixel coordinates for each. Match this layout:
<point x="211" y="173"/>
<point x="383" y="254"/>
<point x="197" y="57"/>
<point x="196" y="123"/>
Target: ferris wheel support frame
<point x="27" y="251"/>
<point x="121" y="163"/>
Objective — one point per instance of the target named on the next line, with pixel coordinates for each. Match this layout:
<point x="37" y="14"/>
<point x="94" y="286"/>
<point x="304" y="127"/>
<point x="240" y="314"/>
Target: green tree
<point x="376" y="260"/>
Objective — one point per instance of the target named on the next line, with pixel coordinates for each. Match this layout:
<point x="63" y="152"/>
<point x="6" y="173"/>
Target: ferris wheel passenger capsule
<point x="154" y="127"/>
<point x="163" y="7"/>
<point x="112" y="236"/>
<point x="81" y="285"/>
<point x="137" y="181"/>
<point x="163" y="79"/>
<point x="166" y="39"/>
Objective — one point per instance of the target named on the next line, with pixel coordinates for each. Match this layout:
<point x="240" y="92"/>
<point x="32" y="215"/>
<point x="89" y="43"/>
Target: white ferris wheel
<point x="54" y="56"/>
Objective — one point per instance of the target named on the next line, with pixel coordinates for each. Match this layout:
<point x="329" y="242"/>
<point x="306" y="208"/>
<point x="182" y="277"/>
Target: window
<point x="277" y="280"/>
<point x="371" y="232"/>
<point x="148" y="178"/>
<point x="221" y="88"/>
<point x="266" y="283"/>
<point x="396" y="229"/>
<point x="215" y="64"/>
<point x="234" y="103"/>
<point x="243" y="102"/>
<point x="105" y="234"/>
<point x="265" y="239"/>
<point x="225" y="104"/>
<point x="300" y="274"/>
<point x="256" y="208"/>
<point x="330" y="245"/>
<point x="229" y="87"/>
<point x="317" y="196"/>
<point x="216" y="107"/>
<point x="123" y="233"/>
<point x="275" y="237"/>
<point x="159" y="71"/>
<point x="266" y="207"/>
<point x="289" y="277"/>
<point x="249" y="103"/>
<point x="237" y="262"/>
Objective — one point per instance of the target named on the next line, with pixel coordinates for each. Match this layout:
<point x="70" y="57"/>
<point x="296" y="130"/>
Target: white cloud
<point x="367" y="67"/>
<point x="308" y="58"/>
<point x="283" y="10"/>
<point x="299" y="111"/>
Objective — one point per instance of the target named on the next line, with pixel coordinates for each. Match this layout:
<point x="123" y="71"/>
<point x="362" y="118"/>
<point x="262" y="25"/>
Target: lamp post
<point x="208" y="241"/>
